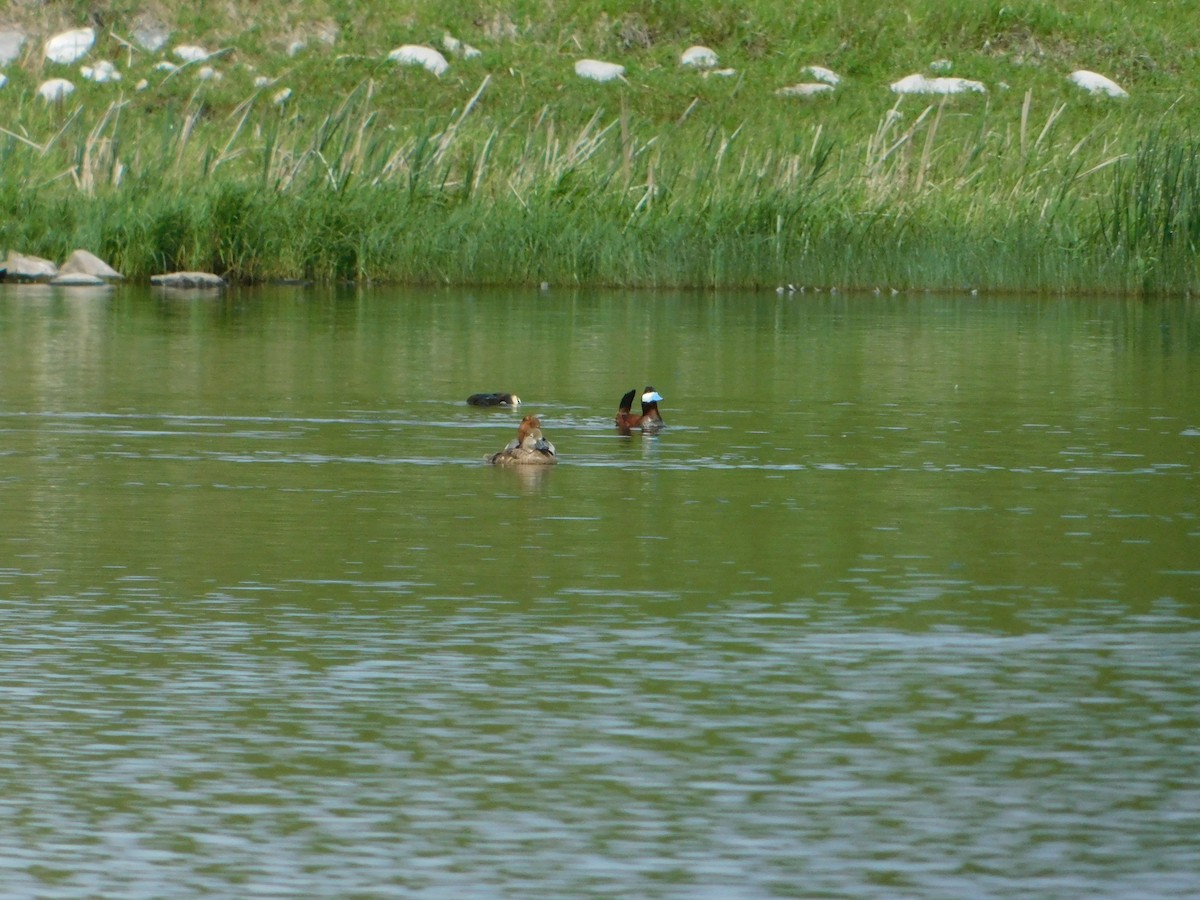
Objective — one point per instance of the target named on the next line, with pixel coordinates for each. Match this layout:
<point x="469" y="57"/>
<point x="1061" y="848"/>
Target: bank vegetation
<point x="332" y="163"/>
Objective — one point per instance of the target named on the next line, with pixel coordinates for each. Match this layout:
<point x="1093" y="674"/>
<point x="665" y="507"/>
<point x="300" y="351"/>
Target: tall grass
<point x="263" y="195"/>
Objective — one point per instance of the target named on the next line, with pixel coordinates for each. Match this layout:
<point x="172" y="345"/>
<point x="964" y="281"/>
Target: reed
<point x="526" y="175"/>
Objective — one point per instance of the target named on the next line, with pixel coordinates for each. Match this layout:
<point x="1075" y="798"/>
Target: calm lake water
<point x="903" y="601"/>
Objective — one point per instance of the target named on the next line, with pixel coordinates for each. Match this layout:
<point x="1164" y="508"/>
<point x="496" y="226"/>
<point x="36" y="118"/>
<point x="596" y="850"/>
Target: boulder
<point x="101" y="72"/>
<point x="69" y="46"/>
<point x="420" y="55"/>
<point x="805" y="89"/>
<point x="55" y="89"/>
<point x="451" y="44"/>
<point x="699" y="56"/>
<point x="1095" y="83"/>
<point x="29" y="268"/>
<point x="81" y="262"/>
<point x="919" y="84"/>
<point x="188" y="280"/>
<point x="828" y="76"/>
<point x="598" y="70"/>
<point x="191" y="53"/>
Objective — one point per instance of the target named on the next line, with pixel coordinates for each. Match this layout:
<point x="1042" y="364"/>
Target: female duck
<point x="528" y="448"/>
<point x="649" y="419"/>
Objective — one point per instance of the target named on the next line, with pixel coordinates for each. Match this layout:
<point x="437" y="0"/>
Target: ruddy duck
<point x="494" y="400"/>
<point x="528" y="448"/>
<point x="649" y="419"/>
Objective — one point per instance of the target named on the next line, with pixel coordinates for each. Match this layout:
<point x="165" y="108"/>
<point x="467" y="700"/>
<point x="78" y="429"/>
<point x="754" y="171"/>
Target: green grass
<point x="510" y="170"/>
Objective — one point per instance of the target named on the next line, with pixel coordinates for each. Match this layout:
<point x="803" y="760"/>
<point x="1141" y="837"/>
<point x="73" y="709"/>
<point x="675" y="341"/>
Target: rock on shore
<point x="188" y="280"/>
<point x="81" y="262"/>
<point x="22" y="267"/>
<point x="80" y="268"/>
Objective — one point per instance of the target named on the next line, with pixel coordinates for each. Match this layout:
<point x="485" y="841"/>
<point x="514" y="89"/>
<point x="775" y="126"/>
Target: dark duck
<point x="648" y="419"/>
<point x="528" y="448"/>
<point x="494" y="400"/>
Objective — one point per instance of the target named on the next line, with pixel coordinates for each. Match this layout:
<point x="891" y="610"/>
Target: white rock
<point x="828" y="76"/>
<point x="141" y="85"/>
<point x="1096" y="83"/>
<point x="29" y="268"/>
<point x="451" y="44"/>
<point x="151" y="37"/>
<point x="296" y="46"/>
<point x="911" y="84"/>
<point x="806" y="89"/>
<point x="166" y="66"/>
<point x="82" y="262"/>
<point x="263" y="81"/>
<point x="70" y="45"/>
<point x="11" y="43"/>
<point x="3" y="79"/>
<point x="282" y="97"/>
<point x="55" y="89"/>
<point x="721" y="73"/>
<point x="188" y="280"/>
<point x="102" y="72"/>
<point x="597" y="70"/>
<point x="190" y="53"/>
<point x="958" y="86"/>
<point x="919" y="84"/>
<point x="941" y="66"/>
<point x="420" y="55"/>
<point x="699" y="56"/>
<point x="208" y="73"/>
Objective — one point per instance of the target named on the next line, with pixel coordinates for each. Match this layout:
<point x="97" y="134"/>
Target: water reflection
<point x="167" y="294"/>
<point x="531" y="479"/>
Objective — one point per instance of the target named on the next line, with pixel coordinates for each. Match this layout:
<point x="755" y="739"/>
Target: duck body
<point x="497" y="399"/>
<point x="649" y="419"/>
<point x="528" y="448"/>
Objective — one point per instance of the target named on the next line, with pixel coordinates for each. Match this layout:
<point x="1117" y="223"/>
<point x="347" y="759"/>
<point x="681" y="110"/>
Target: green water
<point x="904" y="600"/>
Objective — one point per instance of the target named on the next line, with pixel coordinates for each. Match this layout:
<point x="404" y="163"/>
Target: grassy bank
<point x="511" y="170"/>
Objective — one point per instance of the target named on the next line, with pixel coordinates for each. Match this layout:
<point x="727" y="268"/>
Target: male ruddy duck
<point x="528" y="448"/>
<point x="649" y="419"/>
<point x="494" y="400"/>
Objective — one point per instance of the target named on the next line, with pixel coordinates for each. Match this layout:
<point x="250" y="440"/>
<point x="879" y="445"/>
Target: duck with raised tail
<point x="650" y="419"/>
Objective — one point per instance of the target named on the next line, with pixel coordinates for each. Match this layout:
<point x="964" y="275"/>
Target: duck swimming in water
<point x="494" y="400"/>
<point x="528" y="448"/>
<point x="649" y="419"/>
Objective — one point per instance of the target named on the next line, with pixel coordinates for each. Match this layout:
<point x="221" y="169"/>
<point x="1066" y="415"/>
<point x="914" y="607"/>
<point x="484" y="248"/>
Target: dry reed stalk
<point x="85" y="177"/>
